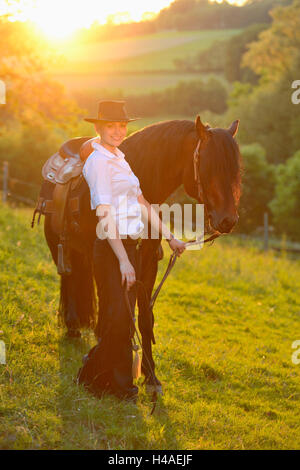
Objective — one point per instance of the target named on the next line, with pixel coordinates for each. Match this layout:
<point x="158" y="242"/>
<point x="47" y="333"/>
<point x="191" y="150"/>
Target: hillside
<point x="225" y="323"/>
<point x="152" y="52"/>
<point x="135" y="65"/>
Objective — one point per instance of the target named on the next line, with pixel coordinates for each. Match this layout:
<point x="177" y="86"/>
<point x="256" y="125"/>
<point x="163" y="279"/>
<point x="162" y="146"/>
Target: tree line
<point x="183" y="15"/>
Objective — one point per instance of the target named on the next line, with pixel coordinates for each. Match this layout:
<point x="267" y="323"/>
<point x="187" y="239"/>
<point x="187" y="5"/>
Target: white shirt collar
<point x="120" y="155"/>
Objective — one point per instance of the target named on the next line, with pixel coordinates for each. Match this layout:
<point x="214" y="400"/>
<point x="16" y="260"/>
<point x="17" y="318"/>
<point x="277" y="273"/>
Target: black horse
<point x="161" y="156"/>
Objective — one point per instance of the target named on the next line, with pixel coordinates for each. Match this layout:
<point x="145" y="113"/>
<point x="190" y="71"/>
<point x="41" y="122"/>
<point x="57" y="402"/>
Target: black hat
<point x="111" y="110"/>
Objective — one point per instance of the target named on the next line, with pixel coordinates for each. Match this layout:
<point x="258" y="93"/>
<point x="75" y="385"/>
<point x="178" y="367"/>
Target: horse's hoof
<point x="73" y="333"/>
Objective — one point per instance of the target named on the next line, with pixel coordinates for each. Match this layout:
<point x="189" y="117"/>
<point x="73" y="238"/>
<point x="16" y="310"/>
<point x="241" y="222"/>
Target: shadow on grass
<point x="107" y="423"/>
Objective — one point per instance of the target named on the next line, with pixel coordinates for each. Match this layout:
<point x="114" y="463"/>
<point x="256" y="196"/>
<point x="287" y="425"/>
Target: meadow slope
<point x="225" y="322"/>
<point x="137" y="65"/>
<point x="141" y="53"/>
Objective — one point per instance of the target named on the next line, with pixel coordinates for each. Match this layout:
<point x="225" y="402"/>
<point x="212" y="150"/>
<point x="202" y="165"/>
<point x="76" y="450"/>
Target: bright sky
<point x="59" y="18"/>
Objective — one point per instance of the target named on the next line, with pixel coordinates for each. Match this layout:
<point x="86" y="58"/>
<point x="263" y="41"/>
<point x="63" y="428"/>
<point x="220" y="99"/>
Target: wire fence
<point x="9" y="185"/>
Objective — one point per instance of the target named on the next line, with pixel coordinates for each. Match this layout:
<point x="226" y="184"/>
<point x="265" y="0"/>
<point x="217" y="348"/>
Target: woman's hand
<point x="177" y="245"/>
<point x="127" y="272"/>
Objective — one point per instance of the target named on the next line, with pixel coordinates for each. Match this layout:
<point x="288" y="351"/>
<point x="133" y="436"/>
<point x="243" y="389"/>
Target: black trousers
<point x="109" y="364"/>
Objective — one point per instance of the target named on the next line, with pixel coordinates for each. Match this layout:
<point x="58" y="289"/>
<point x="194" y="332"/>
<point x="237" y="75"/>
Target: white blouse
<point x="111" y="181"/>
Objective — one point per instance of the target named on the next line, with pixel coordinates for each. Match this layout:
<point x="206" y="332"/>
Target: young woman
<point x="120" y="206"/>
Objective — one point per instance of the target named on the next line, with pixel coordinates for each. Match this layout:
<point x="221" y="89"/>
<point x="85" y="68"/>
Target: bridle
<point x="196" y="160"/>
<point x="200" y="192"/>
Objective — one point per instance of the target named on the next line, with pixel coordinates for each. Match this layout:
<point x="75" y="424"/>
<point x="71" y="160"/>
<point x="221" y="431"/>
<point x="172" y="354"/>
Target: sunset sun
<point x="58" y="19"/>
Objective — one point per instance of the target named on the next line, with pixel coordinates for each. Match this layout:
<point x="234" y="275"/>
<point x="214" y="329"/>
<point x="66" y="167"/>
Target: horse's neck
<point x="161" y="176"/>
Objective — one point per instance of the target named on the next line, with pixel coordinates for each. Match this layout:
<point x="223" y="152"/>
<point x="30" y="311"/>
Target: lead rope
<point x="135" y="346"/>
<point x="171" y="263"/>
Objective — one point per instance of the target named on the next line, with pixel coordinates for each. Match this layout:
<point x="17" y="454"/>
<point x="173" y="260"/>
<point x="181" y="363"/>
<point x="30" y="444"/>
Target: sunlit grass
<point x="225" y="322"/>
<point x="152" y="52"/>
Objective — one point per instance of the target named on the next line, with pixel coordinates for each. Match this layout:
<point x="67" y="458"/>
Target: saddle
<point x="64" y="171"/>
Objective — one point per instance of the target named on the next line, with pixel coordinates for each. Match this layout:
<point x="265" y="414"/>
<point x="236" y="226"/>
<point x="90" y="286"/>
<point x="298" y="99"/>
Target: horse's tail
<point x="78" y="299"/>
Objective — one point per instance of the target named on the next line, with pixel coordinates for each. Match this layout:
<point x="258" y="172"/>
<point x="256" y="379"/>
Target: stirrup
<point x="150" y="389"/>
<point x="153" y="388"/>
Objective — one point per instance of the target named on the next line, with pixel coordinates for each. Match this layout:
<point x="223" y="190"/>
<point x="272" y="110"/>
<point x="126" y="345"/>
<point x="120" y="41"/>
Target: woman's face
<point x="112" y="133"/>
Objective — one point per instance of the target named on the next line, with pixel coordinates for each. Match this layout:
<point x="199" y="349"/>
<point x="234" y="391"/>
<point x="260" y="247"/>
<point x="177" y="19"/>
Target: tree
<point x="257" y="187"/>
<point x="235" y="49"/>
<point x="268" y="115"/>
<point x="277" y="47"/>
<point x="285" y="206"/>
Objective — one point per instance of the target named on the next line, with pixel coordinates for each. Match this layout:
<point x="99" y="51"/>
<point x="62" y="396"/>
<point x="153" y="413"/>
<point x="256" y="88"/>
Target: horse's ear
<point x="201" y="128"/>
<point x="233" y="129"/>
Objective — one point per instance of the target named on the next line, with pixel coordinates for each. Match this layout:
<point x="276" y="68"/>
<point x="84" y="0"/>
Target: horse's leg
<point x="77" y="304"/>
<point x="150" y="253"/>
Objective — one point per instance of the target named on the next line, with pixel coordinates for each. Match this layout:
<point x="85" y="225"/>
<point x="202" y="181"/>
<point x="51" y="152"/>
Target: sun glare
<point x="58" y="19"/>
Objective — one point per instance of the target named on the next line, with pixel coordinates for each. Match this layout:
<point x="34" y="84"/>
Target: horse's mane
<point x="154" y="140"/>
<point x="152" y="150"/>
<point x="223" y="163"/>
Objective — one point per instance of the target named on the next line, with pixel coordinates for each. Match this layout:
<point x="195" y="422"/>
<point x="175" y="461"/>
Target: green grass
<point x="132" y="66"/>
<point x="164" y="58"/>
<point x="152" y="52"/>
<point x="225" y="322"/>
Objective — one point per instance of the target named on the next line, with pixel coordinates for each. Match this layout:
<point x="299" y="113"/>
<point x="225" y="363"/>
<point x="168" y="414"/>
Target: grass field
<point x="152" y="52"/>
<point x="225" y="323"/>
<point x="137" y="65"/>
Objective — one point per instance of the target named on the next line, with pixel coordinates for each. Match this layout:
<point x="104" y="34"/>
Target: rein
<point x="151" y="303"/>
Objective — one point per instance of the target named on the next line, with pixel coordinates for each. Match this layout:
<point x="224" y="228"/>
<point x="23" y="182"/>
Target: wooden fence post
<point x="266" y="231"/>
<point x="5" y="181"/>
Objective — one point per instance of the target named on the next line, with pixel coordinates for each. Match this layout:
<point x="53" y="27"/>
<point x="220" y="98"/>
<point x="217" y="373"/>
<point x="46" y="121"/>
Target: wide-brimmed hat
<point x="111" y="110"/>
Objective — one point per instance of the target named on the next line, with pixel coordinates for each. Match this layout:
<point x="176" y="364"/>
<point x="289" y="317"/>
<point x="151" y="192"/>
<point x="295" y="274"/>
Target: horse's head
<point x="219" y="169"/>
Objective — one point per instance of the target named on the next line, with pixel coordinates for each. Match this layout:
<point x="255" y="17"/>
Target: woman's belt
<point x="126" y="241"/>
<point x="131" y="241"/>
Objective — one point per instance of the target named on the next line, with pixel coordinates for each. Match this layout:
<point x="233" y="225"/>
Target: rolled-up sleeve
<point x="97" y="173"/>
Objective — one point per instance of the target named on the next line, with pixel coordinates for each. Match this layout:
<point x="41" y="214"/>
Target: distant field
<point x="142" y="72"/>
<point x="164" y="58"/>
<point x="137" y="65"/>
<point x="130" y="83"/>
<point x="128" y="47"/>
<point x="154" y="52"/>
